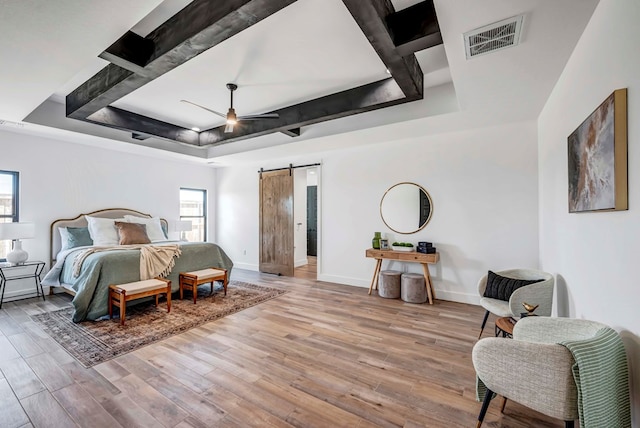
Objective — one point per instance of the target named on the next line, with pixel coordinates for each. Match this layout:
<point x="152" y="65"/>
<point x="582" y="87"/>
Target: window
<point x="193" y="207"/>
<point x="8" y="205"/>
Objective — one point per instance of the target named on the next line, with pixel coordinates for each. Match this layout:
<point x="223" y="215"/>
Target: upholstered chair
<point x="539" y="293"/>
<point x="549" y="363"/>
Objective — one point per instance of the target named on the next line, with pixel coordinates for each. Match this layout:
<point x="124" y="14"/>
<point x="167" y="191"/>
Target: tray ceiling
<point x="44" y="61"/>
<point x="210" y="42"/>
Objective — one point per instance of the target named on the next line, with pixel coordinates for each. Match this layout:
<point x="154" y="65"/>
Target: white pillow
<point x="64" y="238"/>
<point x="154" y="228"/>
<point x="103" y="230"/>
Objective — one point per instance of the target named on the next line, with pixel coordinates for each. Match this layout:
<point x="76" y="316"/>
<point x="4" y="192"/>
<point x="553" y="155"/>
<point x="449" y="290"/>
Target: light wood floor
<point x="322" y="355"/>
<point x="308" y="271"/>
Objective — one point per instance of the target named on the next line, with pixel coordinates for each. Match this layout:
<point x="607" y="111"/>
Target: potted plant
<point x="402" y="246"/>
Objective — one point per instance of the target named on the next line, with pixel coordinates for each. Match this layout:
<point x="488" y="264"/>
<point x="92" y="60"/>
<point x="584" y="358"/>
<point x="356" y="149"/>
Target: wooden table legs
<point x="431" y="292"/>
<point x="374" y="280"/>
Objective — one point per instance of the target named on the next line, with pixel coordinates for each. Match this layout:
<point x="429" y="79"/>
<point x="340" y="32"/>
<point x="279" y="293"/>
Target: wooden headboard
<point x="80" y="221"/>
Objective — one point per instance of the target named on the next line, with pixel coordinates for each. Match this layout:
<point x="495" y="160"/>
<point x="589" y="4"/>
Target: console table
<point x="404" y="256"/>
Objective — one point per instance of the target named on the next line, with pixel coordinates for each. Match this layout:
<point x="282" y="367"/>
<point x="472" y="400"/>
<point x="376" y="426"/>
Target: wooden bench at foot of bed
<point x="191" y="280"/>
<point x="120" y="294"/>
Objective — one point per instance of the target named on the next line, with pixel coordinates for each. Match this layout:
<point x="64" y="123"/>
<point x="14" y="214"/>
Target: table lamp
<point x="16" y="232"/>
<point x="183" y="226"/>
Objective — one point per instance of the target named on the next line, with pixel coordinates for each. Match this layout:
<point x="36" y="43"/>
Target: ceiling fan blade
<point x="259" y="116"/>
<point x="224" y="116"/>
<point x="228" y="128"/>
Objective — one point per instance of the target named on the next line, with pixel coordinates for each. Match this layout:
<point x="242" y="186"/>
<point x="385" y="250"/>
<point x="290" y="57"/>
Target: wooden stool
<point x="413" y="288"/>
<point x="120" y="294"/>
<point x="389" y="284"/>
<point x="193" y="279"/>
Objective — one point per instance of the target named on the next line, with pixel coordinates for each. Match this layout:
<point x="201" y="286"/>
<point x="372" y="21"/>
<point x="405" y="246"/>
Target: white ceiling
<point x="45" y="43"/>
<point x="309" y="49"/>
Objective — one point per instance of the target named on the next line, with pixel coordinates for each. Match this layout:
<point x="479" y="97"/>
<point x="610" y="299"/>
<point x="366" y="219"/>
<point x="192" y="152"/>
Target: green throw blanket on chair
<point x="602" y="378"/>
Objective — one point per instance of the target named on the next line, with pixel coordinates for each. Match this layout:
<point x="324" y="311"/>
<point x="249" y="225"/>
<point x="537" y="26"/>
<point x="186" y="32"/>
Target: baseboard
<point x="301" y="262"/>
<point x="455" y="296"/>
<point x="247" y="266"/>
<point x="356" y="282"/>
<point x="452" y="296"/>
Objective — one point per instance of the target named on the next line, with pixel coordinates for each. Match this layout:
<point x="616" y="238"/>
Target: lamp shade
<point x="183" y="226"/>
<point x="17" y="231"/>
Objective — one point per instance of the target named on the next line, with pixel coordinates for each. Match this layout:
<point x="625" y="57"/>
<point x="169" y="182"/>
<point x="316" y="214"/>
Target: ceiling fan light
<point x="232" y="119"/>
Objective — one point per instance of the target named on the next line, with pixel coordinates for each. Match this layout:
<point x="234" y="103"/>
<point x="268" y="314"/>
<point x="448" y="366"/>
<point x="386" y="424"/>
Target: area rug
<point x="93" y="342"/>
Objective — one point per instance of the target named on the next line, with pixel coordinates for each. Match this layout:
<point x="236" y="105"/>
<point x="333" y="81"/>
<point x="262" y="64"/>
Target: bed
<point x="89" y="284"/>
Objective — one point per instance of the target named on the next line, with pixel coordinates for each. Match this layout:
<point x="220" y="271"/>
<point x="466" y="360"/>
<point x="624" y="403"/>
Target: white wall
<point x="237" y="224"/>
<point x="484" y="188"/>
<point x="594" y="255"/>
<point x="61" y="180"/>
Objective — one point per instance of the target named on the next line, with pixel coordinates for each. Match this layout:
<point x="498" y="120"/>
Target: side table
<point x="504" y="326"/>
<point x="29" y="269"/>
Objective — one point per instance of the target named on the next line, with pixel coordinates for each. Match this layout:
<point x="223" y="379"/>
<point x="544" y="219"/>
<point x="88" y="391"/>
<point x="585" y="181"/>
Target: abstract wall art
<point x="598" y="158"/>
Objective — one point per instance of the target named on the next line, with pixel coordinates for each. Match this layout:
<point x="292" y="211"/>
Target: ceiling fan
<point x="231" y="117"/>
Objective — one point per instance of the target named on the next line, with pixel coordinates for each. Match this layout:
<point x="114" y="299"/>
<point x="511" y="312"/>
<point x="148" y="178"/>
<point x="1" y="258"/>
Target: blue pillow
<point x="78" y="237"/>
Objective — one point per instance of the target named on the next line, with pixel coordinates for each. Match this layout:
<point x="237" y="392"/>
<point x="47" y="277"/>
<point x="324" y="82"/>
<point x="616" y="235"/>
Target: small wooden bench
<point x="191" y="280"/>
<point x="120" y="294"/>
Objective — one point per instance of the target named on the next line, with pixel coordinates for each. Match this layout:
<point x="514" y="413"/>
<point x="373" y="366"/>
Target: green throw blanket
<point x="602" y="378"/>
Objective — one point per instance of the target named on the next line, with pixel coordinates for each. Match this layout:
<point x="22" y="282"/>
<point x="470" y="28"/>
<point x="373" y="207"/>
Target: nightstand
<point x="29" y="269"/>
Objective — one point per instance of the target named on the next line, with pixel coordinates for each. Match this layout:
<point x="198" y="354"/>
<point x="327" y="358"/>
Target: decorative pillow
<point x="64" y="238"/>
<point x="78" y="237"/>
<point x="501" y="287"/>
<point x="154" y="228"/>
<point x="103" y="230"/>
<point x="132" y="233"/>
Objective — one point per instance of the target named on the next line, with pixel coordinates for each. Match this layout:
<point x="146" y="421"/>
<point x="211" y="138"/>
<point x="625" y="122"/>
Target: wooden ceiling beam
<point x="203" y="24"/>
<point x="131" y="52"/>
<point x="293" y="132"/>
<point x="415" y="28"/>
<point x="371" y="16"/>
<point x="114" y="117"/>
<point x="368" y="97"/>
<point x="196" y="28"/>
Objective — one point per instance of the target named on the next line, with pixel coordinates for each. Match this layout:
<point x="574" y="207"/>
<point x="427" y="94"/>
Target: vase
<point x="375" y="242"/>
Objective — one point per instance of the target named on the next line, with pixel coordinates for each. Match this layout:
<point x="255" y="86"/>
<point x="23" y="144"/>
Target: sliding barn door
<point x="276" y="222"/>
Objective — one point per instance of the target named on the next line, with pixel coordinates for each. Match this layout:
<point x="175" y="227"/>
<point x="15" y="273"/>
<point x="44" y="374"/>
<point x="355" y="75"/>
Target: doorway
<point x="312" y="221"/>
<point x="276" y="222"/>
<point x="306" y="215"/>
<point x="289" y="221"/>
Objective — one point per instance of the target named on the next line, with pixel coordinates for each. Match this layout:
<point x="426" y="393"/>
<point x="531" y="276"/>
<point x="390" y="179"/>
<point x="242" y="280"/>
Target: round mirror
<point x="406" y="208"/>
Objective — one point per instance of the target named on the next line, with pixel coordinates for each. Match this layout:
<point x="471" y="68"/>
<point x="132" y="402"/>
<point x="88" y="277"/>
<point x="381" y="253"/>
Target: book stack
<point x="426" y="248"/>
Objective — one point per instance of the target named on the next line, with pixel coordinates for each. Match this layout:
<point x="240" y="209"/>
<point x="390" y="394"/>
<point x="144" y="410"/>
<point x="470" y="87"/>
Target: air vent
<point x="491" y="38"/>
<point x="11" y="124"/>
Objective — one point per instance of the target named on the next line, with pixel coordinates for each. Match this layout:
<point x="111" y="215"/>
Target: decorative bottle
<point x="376" y="240"/>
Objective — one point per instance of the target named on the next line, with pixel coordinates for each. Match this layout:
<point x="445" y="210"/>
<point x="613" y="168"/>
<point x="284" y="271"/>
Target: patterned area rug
<point x="92" y="342"/>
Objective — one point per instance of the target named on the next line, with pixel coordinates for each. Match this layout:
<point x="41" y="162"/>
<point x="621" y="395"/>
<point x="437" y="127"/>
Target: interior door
<point x="276" y="222"/>
<point x="312" y="220"/>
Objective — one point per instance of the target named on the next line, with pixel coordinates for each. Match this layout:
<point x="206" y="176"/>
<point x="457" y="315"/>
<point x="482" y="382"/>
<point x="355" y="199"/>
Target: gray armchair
<point x="539" y="293"/>
<point x="552" y="361"/>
